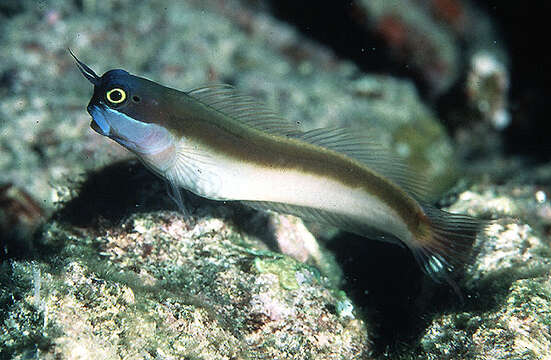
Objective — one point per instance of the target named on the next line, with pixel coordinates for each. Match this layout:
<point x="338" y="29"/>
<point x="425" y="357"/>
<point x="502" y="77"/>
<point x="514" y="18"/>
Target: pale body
<point x="227" y="179"/>
<point x="191" y="165"/>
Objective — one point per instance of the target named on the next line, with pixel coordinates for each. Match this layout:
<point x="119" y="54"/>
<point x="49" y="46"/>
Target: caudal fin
<point x="448" y="243"/>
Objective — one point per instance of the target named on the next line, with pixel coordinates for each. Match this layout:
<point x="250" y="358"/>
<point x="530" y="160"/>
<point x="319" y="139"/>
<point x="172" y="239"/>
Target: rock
<point x="115" y="273"/>
<point x="159" y="285"/>
<point x="518" y="328"/>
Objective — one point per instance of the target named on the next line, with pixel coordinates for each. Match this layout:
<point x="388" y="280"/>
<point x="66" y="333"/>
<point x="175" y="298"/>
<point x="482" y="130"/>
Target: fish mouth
<point x="99" y="121"/>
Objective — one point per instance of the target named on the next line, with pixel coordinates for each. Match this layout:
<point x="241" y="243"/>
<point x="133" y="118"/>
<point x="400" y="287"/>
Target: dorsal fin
<point x="243" y="108"/>
<point x="376" y="156"/>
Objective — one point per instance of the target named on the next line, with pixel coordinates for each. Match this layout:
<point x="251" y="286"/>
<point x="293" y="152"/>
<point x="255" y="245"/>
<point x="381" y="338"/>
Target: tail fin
<point x="448" y="243"/>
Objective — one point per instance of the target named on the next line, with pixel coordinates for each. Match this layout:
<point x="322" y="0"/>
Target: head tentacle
<point x="85" y="70"/>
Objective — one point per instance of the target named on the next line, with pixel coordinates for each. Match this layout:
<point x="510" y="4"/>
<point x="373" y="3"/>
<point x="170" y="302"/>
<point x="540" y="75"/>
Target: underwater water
<point x="99" y="261"/>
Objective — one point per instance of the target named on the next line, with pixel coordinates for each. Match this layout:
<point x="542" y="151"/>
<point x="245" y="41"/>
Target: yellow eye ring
<point x="116" y="95"/>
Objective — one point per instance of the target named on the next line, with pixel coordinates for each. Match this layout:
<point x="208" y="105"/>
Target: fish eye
<point x="116" y="95"/>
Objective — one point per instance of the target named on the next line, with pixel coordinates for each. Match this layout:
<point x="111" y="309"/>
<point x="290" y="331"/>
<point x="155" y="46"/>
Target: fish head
<point x="124" y="108"/>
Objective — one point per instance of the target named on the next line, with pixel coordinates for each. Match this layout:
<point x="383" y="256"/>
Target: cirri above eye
<point x="116" y="96"/>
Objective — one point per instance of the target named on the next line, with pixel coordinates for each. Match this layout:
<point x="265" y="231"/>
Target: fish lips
<point x="99" y="119"/>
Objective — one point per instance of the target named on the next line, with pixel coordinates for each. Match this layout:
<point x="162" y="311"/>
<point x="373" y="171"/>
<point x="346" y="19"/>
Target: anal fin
<point x="325" y="217"/>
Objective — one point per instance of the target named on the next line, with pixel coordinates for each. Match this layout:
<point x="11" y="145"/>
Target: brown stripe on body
<point x="234" y="139"/>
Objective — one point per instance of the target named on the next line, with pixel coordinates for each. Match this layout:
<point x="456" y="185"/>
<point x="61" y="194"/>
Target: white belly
<point x="219" y="177"/>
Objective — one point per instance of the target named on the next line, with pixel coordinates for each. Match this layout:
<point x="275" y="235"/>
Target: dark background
<point x="522" y="26"/>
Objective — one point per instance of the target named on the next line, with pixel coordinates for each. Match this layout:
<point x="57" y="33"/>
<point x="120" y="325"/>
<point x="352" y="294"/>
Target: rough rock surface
<point x="114" y="273"/>
<point x="155" y="284"/>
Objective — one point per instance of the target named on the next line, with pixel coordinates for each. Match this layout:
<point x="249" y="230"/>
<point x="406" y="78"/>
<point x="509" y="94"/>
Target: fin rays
<point x="449" y="243"/>
<point x="195" y="171"/>
<point x="242" y="108"/>
<point x="249" y="111"/>
<point x="367" y="151"/>
<point x="325" y="217"/>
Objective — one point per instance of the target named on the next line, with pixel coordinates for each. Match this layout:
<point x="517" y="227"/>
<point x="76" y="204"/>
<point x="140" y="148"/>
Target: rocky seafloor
<point x="98" y="263"/>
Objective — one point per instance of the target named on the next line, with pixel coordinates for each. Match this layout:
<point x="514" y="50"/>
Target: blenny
<point x="222" y="145"/>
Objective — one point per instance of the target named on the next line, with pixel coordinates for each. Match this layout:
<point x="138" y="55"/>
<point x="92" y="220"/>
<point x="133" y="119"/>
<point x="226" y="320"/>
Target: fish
<point x="222" y="145"/>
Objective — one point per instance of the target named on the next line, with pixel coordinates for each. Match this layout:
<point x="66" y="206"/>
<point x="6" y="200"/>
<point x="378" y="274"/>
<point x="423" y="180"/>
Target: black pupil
<point x="116" y="95"/>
